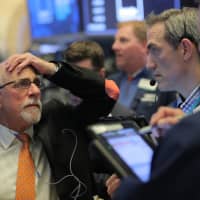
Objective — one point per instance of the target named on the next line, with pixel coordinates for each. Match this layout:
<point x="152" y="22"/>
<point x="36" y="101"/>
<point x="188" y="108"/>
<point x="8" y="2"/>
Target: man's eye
<point x="123" y="40"/>
<point x="38" y="82"/>
<point x="154" y="50"/>
<point x="23" y="83"/>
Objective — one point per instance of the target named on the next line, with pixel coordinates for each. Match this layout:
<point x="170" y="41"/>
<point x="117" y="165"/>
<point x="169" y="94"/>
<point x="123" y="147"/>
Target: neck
<point x="19" y="127"/>
<point x="190" y="80"/>
<point x="188" y="86"/>
<point x="131" y="68"/>
<point x="187" y="91"/>
<point x="134" y="73"/>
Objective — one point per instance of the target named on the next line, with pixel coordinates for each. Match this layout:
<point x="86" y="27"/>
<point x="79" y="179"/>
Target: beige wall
<point x="14" y="29"/>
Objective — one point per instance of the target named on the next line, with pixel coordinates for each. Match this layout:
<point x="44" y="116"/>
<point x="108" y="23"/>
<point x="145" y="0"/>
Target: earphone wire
<point x="76" y="192"/>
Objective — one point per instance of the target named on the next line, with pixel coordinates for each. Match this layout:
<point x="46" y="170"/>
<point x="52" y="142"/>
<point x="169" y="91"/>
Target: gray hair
<point x="179" y="24"/>
<point x="2" y="74"/>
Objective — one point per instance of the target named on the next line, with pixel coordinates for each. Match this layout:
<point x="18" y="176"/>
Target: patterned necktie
<point x="25" y="186"/>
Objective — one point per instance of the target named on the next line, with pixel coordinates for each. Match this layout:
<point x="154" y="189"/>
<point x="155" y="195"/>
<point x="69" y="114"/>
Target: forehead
<point x="25" y="73"/>
<point x="85" y="63"/>
<point x="156" y="33"/>
<point x="125" y="31"/>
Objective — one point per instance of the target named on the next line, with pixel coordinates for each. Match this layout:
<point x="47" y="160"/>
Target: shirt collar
<point x="179" y="101"/>
<point x="192" y="101"/>
<point x="7" y="136"/>
<point x="134" y="75"/>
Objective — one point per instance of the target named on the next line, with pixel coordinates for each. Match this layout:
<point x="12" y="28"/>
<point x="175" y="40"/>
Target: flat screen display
<point x="101" y="16"/>
<point x="50" y="18"/>
<point x="132" y="149"/>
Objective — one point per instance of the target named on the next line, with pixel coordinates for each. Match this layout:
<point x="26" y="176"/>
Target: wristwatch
<point x="57" y="64"/>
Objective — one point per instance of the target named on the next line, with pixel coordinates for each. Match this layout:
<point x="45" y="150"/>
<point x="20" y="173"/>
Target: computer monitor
<point x="120" y="143"/>
<point x="100" y="17"/>
<point x="50" y="19"/>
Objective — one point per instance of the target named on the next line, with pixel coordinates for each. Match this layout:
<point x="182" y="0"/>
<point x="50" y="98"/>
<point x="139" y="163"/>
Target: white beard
<point x="31" y="117"/>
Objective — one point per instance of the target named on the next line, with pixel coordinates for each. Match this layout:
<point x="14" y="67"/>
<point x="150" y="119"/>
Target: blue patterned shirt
<point x="192" y="102"/>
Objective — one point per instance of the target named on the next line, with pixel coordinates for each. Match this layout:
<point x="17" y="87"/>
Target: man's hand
<point x="112" y="184"/>
<point x="164" y="118"/>
<point x="20" y="61"/>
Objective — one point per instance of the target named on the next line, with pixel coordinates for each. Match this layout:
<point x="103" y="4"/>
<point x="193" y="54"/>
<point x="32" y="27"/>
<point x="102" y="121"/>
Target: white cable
<point x="76" y="192"/>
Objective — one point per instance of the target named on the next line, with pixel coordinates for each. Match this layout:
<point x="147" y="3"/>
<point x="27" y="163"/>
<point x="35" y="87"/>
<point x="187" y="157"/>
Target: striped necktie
<point x="25" y="185"/>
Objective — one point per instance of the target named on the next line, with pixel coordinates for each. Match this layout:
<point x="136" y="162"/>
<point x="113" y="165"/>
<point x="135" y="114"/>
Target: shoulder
<point x="55" y="107"/>
<point x="52" y="105"/>
<point x="116" y="76"/>
<point x="187" y="131"/>
<point x="181" y="141"/>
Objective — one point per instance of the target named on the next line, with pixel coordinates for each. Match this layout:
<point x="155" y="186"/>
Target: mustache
<point x="32" y="102"/>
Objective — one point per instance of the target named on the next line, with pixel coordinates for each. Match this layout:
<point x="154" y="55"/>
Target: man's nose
<point x="34" y="90"/>
<point x="150" y="63"/>
<point x="115" y="46"/>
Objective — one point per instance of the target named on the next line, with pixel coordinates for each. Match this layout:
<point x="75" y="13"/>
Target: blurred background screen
<point x="101" y="16"/>
<point x="52" y="18"/>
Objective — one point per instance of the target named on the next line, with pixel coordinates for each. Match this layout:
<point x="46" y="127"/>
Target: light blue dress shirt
<point x="9" y="150"/>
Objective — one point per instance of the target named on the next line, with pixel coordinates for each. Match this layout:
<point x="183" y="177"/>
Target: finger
<point x="22" y="65"/>
<point x="168" y="122"/>
<point x="113" y="187"/>
<point x="111" y="179"/>
<point x="13" y="62"/>
<point x="164" y="112"/>
<point x="163" y="125"/>
<point x="158" y="115"/>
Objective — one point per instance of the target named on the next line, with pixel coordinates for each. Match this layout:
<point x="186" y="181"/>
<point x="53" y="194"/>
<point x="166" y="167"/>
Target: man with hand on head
<point x="56" y="145"/>
<point x="20" y="108"/>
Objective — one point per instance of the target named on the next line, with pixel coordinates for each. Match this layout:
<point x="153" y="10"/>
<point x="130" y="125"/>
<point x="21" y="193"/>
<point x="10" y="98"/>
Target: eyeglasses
<point x="23" y="83"/>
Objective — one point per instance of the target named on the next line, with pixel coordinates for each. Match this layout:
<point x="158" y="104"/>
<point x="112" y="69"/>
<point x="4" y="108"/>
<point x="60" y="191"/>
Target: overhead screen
<point x="53" y="18"/>
<point x="101" y="16"/>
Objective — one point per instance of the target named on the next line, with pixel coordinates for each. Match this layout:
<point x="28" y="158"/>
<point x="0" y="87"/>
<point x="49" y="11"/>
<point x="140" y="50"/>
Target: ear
<point x="187" y="48"/>
<point x="144" y="45"/>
